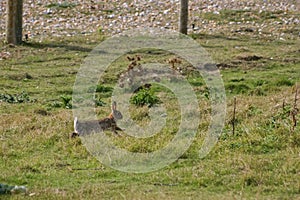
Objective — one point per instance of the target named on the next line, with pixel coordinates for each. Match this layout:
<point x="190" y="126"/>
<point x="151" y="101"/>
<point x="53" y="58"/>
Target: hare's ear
<point x="114" y="106"/>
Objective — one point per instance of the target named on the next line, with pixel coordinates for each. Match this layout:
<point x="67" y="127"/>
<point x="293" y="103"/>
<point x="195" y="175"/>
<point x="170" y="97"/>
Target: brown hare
<point x="87" y="127"/>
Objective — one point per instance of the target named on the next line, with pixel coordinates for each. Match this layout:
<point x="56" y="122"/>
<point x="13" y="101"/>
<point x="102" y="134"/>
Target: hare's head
<point x="114" y="112"/>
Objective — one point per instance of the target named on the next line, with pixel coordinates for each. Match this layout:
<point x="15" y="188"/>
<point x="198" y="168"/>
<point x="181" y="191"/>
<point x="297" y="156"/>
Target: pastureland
<point x="260" y="161"/>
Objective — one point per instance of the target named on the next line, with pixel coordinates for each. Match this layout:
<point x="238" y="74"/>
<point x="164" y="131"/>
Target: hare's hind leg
<point x="75" y="133"/>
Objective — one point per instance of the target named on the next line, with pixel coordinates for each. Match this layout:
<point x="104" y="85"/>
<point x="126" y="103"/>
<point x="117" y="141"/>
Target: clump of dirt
<point x="225" y="66"/>
<point x="249" y="57"/>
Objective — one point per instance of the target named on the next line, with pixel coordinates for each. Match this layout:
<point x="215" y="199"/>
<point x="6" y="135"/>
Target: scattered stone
<point x="53" y="18"/>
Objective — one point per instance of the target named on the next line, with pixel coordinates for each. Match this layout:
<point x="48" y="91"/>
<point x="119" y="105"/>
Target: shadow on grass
<point x="216" y="36"/>
<point x="57" y="45"/>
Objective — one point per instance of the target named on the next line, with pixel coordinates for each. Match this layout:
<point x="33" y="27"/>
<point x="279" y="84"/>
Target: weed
<point x="66" y="101"/>
<point x="253" y="111"/>
<point x="144" y="97"/>
<point x="237" y="88"/>
<point x="101" y="89"/>
<point x="23" y="97"/>
<point x="55" y="104"/>
<point x="280" y="118"/>
<point x="99" y="102"/>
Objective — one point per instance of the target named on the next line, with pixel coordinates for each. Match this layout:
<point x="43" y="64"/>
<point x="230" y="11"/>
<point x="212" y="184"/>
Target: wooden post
<point x="184" y="14"/>
<point x="14" y="21"/>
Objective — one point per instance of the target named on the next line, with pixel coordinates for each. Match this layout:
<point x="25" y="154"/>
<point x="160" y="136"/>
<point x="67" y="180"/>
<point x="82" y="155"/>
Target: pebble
<point x="122" y="15"/>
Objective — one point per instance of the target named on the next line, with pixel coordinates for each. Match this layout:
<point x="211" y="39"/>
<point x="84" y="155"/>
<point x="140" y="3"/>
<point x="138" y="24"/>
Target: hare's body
<point x="96" y="126"/>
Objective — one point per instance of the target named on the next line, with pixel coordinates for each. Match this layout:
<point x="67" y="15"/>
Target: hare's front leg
<point x="115" y="128"/>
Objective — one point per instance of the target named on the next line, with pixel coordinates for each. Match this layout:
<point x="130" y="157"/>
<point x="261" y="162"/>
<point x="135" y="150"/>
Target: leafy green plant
<point x="66" y="101"/>
<point x="10" y="189"/>
<point x="280" y="118"/>
<point x="237" y="88"/>
<point x="55" y="104"/>
<point x="100" y="89"/>
<point x="23" y="97"/>
<point x="144" y="97"/>
<point x="99" y="102"/>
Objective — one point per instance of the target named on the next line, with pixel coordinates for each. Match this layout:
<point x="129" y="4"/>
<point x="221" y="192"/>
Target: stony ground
<point x="43" y="18"/>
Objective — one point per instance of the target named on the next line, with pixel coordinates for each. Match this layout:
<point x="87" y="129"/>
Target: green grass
<point x="243" y="15"/>
<point x="261" y="161"/>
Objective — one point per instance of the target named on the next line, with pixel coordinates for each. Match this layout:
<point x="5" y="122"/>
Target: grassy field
<point x="261" y="161"/>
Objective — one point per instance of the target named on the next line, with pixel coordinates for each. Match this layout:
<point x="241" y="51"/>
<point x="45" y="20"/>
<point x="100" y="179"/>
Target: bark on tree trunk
<point x="14" y="21"/>
<point x="183" y="16"/>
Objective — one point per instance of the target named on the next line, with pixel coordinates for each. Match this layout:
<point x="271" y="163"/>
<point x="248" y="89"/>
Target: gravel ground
<point x="43" y="18"/>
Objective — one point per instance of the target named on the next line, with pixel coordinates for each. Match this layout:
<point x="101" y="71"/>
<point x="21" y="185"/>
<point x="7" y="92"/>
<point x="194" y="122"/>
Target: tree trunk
<point x="14" y="21"/>
<point x="184" y="13"/>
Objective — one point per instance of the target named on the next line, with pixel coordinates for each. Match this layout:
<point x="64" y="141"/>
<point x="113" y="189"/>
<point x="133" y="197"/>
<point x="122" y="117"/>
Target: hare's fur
<point x="96" y="126"/>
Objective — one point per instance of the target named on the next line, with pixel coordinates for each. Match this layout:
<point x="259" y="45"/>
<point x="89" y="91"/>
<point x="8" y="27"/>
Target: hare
<point x="87" y="127"/>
